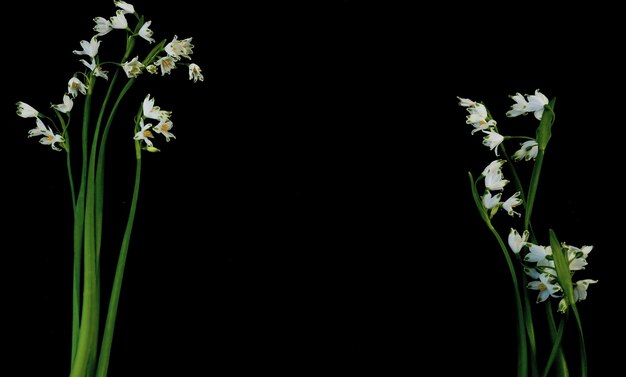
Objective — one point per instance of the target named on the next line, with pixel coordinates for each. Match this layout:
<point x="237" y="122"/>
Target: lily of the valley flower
<point x="133" y="68"/>
<point x="177" y="48"/>
<point x="146" y="33"/>
<point x="89" y="48"/>
<point x="545" y="287"/>
<point x="195" y="73"/>
<point x="66" y="106"/>
<point x="520" y="107"/>
<point x="528" y="150"/>
<point x="495" y="181"/>
<point x="492" y="140"/>
<point x="511" y="202"/>
<point x="167" y="63"/>
<point x="26" y="111"/>
<point x="516" y="242"/>
<point x="145" y="134"/>
<point x="537" y="253"/>
<point x="74" y="86"/>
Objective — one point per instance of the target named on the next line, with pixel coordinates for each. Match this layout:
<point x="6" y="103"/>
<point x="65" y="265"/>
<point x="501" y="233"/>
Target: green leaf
<point x="561" y="263"/>
<point x="544" y="131"/>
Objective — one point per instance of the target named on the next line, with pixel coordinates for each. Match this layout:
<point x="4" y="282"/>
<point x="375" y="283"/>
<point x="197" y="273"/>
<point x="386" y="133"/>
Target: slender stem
<point x="556" y="345"/>
<point x="562" y="369"/>
<point x="581" y="342"/>
<point x="522" y="366"/>
<point x="107" y="338"/>
<point x="530" y="329"/>
<point x="532" y="189"/>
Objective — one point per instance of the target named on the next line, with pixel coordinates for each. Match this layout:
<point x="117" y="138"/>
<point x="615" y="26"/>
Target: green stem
<point x="522" y="366"/>
<point x="530" y="329"/>
<point x="562" y="369"/>
<point x="581" y="342"/>
<point x="107" y="338"/>
<point x="532" y="189"/>
<point x="557" y="336"/>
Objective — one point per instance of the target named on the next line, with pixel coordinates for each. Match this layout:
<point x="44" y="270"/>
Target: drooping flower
<point x="493" y="167"/>
<point x="576" y="258"/>
<point x="520" y="107"/>
<point x="66" y="106"/>
<point x="195" y="73"/>
<point x="528" y="150"/>
<point x="97" y="70"/>
<point x="39" y="129"/>
<point x="154" y="112"/>
<point x="537" y="253"/>
<point x="103" y="26"/>
<point x="49" y="138"/>
<point x="144" y="134"/>
<point x="163" y="128"/>
<point x="536" y="103"/>
<point x="146" y="33"/>
<point x="492" y="140"/>
<point x="119" y="20"/>
<point x="466" y="102"/>
<point x="133" y="68"/>
<point x="74" y="86"/>
<point x="495" y="181"/>
<point x="89" y="48"/>
<point x="478" y="118"/>
<point x="151" y="68"/>
<point x="167" y="63"/>
<point x="491" y="201"/>
<point x="516" y="242"/>
<point x="512" y="202"/>
<point x="177" y="48"/>
<point x="580" y="289"/>
<point x="26" y="111"/>
<point x="545" y="287"/>
<point x="126" y="8"/>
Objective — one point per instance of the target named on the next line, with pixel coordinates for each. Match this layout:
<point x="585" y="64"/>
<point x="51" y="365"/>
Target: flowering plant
<point x="92" y="330"/>
<point x="535" y="263"/>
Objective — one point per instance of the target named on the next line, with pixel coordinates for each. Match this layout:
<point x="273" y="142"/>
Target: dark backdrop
<point x="314" y="214"/>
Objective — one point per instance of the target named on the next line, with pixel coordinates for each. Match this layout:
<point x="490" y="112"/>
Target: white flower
<point x="146" y="33"/>
<point x="537" y="253"/>
<point x="520" y="107"/>
<point x="177" y="48"/>
<point x="465" y="102"/>
<point x="133" y="68"/>
<point x="103" y="26"/>
<point x="545" y="287"/>
<point x="152" y="69"/>
<point x="528" y="150"/>
<point x="536" y="103"/>
<point x="166" y="63"/>
<point x="163" y="128"/>
<point x="144" y="134"/>
<point x="126" y="8"/>
<point x="89" y="48"/>
<point x="119" y="21"/>
<point x="66" y="106"/>
<point x="580" y="289"/>
<point x="49" y="138"/>
<point x="478" y="118"/>
<point x="575" y="258"/>
<point x="492" y="140"/>
<point x="154" y="112"/>
<point x="516" y="242"/>
<point x="532" y="272"/>
<point x="493" y="167"/>
<point x="74" y="86"/>
<point x="195" y="73"/>
<point x="97" y="70"/>
<point x="495" y="181"/>
<point x="511" y="202"/>
<point x="491" y="201"/>
<point x="26" y="111"/>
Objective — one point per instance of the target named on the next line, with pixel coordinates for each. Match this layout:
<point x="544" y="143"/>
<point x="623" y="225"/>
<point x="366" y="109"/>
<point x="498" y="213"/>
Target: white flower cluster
<point x="539" y="265"/>
<point x="163" y="127"/>
<point x="494" y="181"/>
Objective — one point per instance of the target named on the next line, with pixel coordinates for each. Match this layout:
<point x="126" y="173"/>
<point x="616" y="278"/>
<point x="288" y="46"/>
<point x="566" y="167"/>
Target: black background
<point x="314" y="214"/>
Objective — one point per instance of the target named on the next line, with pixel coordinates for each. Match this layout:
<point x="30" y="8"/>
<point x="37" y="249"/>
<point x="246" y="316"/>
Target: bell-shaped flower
<point x="492" y="140"/>
<point x="495" y="181"/>
<point x="146" y="33"/>
<point x="49" y="138"/>
<point x="580" y="289"/>
<point x="536" y="103"/>
<point x="26" y="111"/>
<point x="491" y="202"/>
<point x="89" y="48"/>
<point x="528" y="150"/>
<point x="546" y="287"/>
<point x="537" y="253"/>
<point x="516" y="242"/>
<point x="478" y="118"/>
<point x="163" y="128"/>
<point x="195" y="73"/>
<point x="154" y="112"/>
<point x="133" y="68"/>
<point x="119" y="20"/>
<point x="520" y="107"/>
<point x="66" y="106"/>
<point x="512" y="202"/>
<point x="103" y="26"/>
<point x="144" y="133"/>
<point x="125" y="7"/>
<point x="493" y="168"/>
<point x="466" y="102"/>
<point x="177" y="48"/>
<point x="166" y="63"/>
<point x="74" y="86"/>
